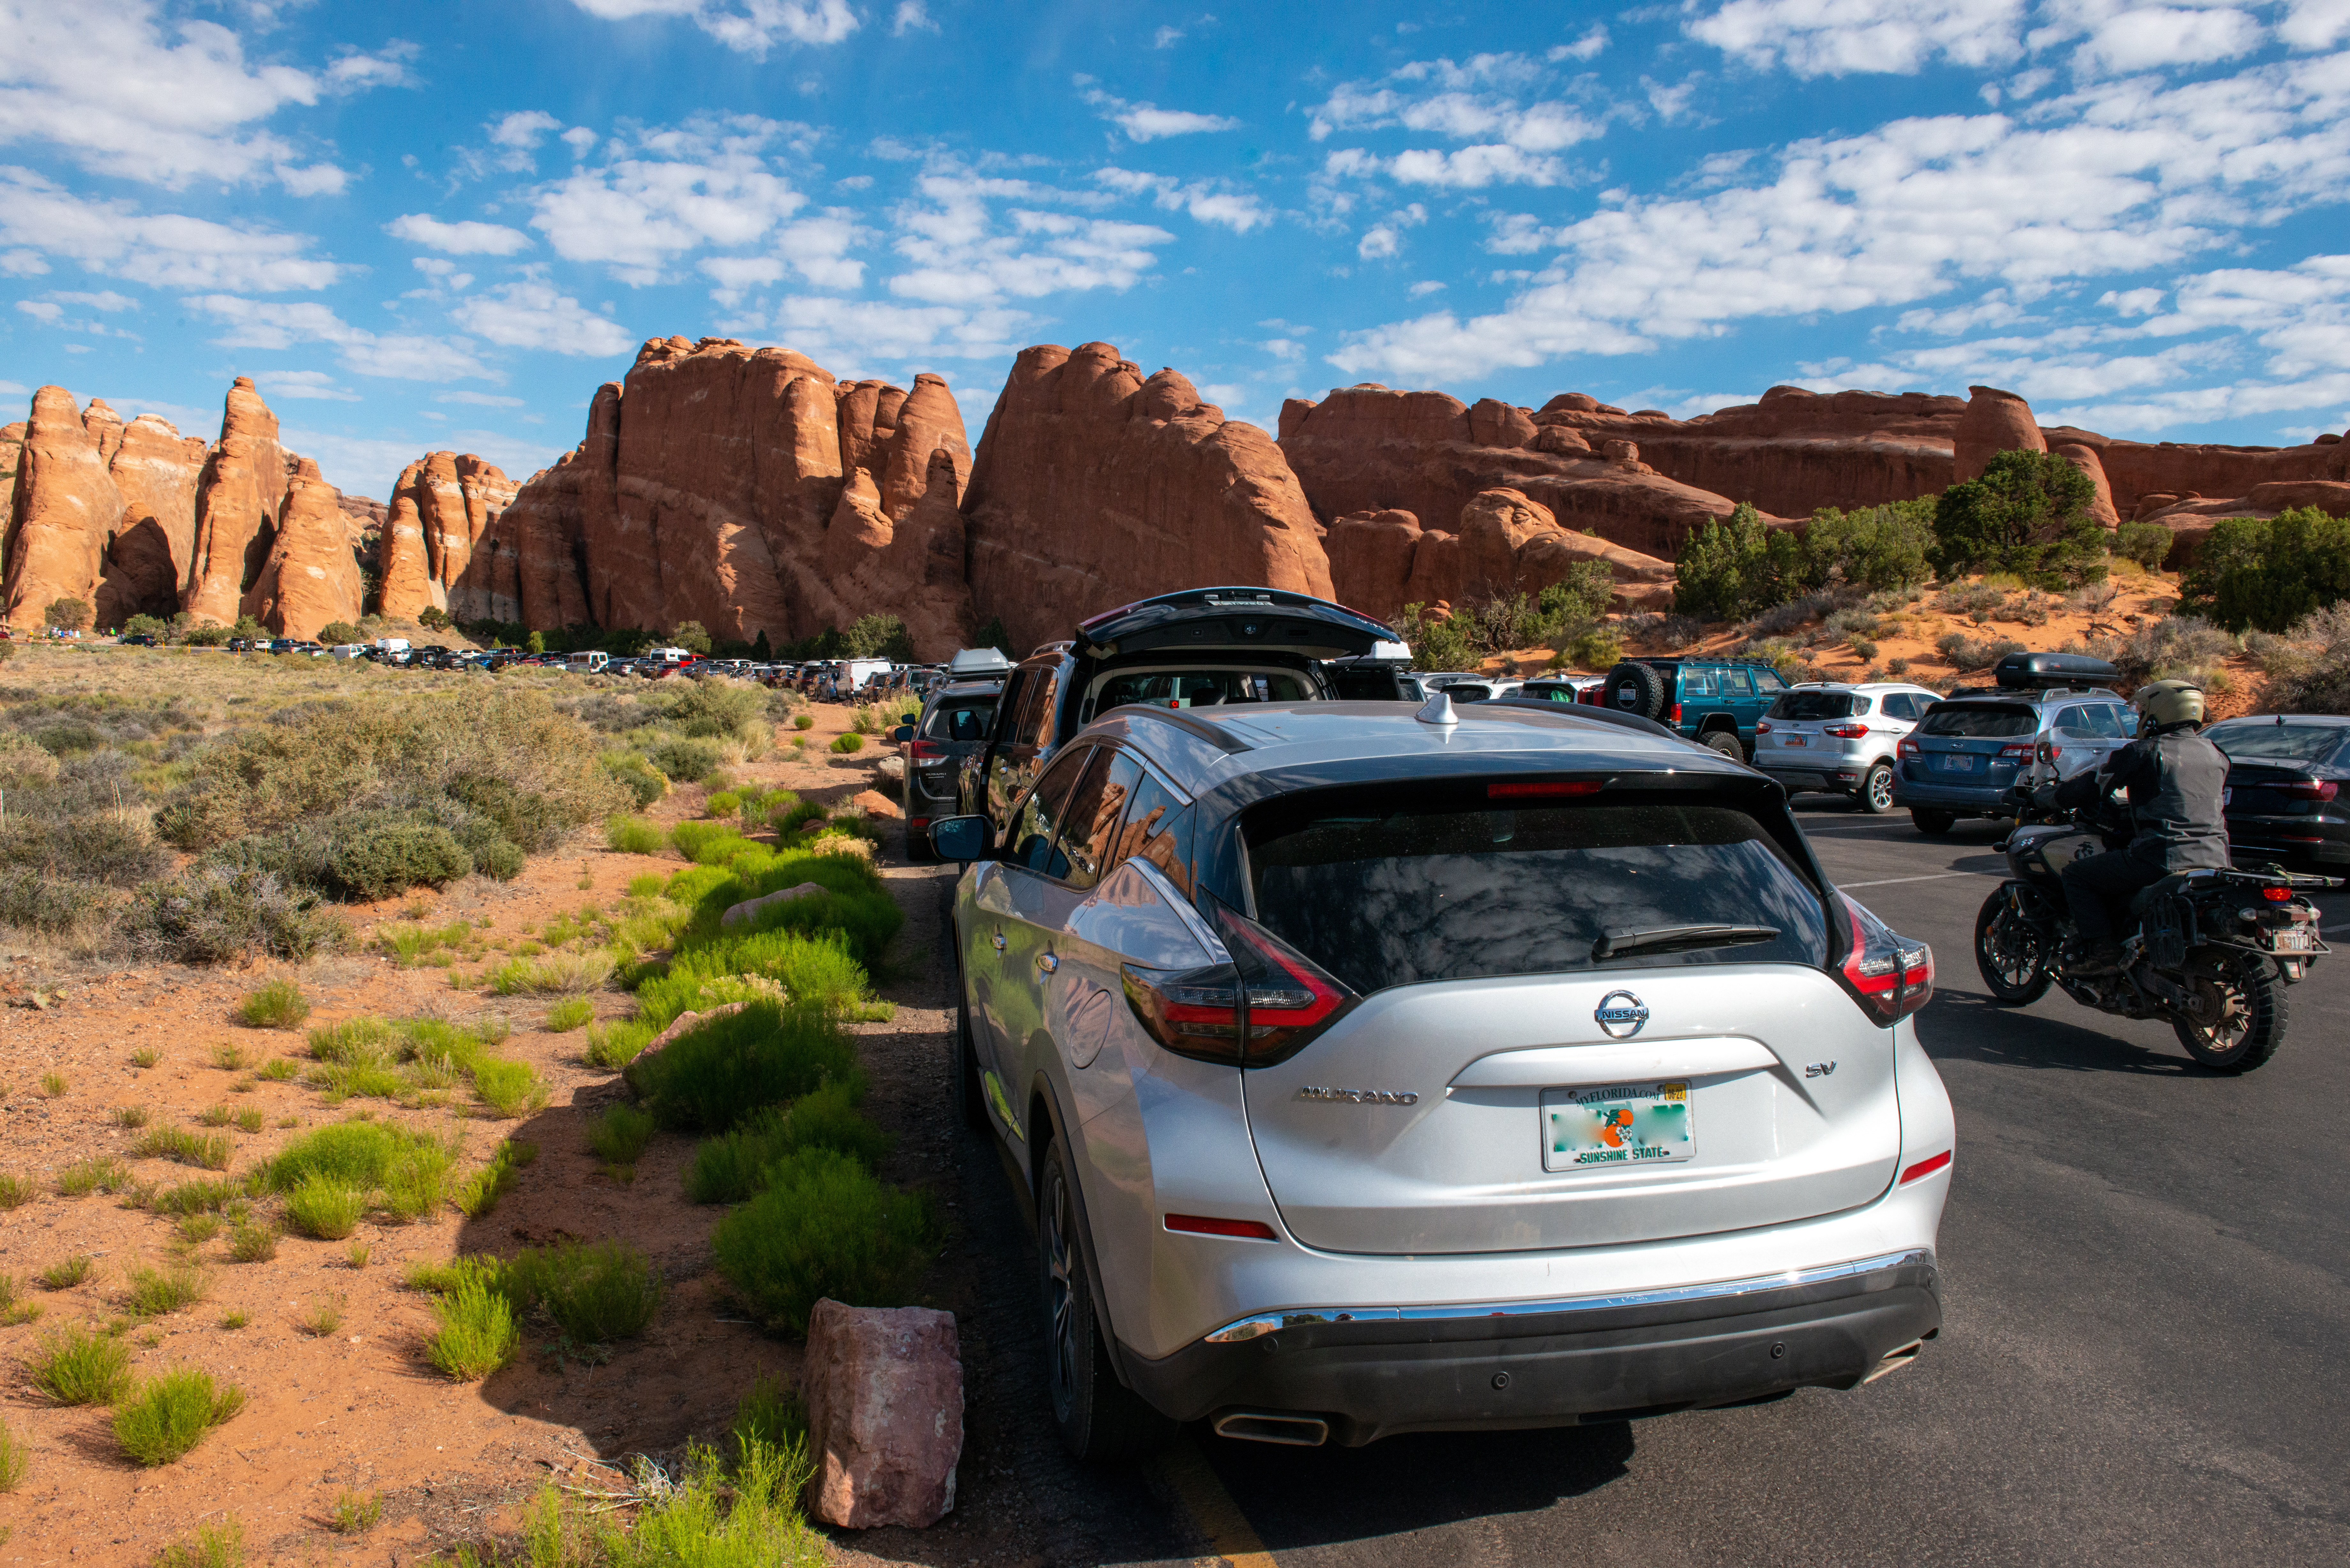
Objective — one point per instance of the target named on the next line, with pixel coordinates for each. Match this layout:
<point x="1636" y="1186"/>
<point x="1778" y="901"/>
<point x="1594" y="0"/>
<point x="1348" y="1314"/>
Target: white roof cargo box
<point x="971" y="661"/>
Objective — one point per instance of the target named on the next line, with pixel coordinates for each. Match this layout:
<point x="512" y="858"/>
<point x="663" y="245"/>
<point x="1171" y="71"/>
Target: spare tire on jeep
<point x="1635" y="688"/>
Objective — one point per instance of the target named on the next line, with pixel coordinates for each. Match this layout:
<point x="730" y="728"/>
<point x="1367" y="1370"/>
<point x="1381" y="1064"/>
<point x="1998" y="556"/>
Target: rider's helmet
<point x="2165" y="704"/>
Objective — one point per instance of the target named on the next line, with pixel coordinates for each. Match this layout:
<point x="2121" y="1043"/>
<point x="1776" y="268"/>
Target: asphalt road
<point x="2147" y="1293"/>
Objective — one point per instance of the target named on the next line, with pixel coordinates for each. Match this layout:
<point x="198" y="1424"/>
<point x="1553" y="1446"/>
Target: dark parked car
<point x="953" y="725"/>
<point x="1202" y="648"/>
<point x="2287" y="775"/>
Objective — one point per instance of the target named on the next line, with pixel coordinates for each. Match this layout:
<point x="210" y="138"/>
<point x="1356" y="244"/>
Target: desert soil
<point x="360" y="1408"/>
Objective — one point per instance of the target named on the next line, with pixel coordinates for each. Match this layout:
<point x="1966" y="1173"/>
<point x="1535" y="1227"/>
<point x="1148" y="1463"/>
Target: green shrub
<point x="480" y="1192"/>
<point x="634" y="836"/>
<point x="2269" y="574"/>
<point x="166" y="1416"/>
<point x="15" y="1190"/>
<point x="394" y="857"/>
<point x="196" y="1197"/>
<point x="218" y="1545"/>
<point x="477" y="1333"/>
<point x="12" y="1460"/>
<point x="74" y="1367"/>
<point x="2148" y="544"/>
<point x="851" y="742"/>
<point x="252" y="1243"/>
<point x="363" y="1042"/>
<point x="325" y="1208"/>
<point x="552" y="974"/>
<point x="1967" y="654"/>
<point x="94" y="1175"/>
<point x="643" y="782"/>
<point x="66" y="1272"/>
<point x="804" y="722"/>
<point x="210" y="1150"/>
<point x="213" y="914"/>
<point x="685" y="760"/>
<point x="793" y="817"/>
<point x="509" y="1088"/>
<point x="732" y="1167"/>
<point x="768" y="1415"/>
<point x="2027" y="514"/>
<point x="353" y="1154"/>
<point x="824" y="1227"/>
<point x="826" y="1117"/>
<point x="569" y="1014"/>
<point x="708" y="843"/>
<point x="2182" y="645"/>
<point x="619" y="1137"/>
<point x="1598" y="649"/>
<point x="722" y="804"/>
<point x="596" y="1293"/>
<point x="154" y="1292"/>
<point x="724" y="1068"/>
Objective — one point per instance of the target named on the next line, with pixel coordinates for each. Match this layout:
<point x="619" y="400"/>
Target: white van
<point x="591" y="662"/>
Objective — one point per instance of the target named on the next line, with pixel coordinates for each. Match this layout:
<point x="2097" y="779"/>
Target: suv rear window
<point x="1818" y="705"/>
<point x="1982" y="720"/>
<point x="1199" y="689"/>
<point x="959" y="719"/>
<point x="2266" y="740"/>
<point x="1394" y="884"/>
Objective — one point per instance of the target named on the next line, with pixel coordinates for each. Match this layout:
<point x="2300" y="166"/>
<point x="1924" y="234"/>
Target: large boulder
<point x="883" y="1388"/>
<point x="1095" y="486"/>
<point x="1994" y="422"/>
<point x="2101" y="506"/>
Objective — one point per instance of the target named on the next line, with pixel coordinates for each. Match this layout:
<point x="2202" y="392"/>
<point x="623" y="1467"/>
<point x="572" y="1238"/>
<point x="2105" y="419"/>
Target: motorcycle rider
<point x="2174" y="776"/>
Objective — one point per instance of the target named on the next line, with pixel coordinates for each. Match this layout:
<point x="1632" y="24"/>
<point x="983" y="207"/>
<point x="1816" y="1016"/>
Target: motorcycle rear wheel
<point x="2011" y="953"/>
<point x="2247" y="1020"/>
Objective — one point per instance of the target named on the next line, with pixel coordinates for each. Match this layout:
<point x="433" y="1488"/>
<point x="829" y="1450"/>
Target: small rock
<point x="749" y="908"/>
<point x="892" y="767"/>
<point x="884" y="1391"/>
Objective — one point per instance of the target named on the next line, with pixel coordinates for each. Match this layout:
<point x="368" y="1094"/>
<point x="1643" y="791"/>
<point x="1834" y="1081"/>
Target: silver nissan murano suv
<point x="1377" y="1070"/>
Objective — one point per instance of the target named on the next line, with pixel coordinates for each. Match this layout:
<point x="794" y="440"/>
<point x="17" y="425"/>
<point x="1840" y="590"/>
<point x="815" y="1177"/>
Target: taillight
<point x="1848" y="732"/>
<point x="2309" y="789"/>
<point x="1206" y="1225"/>
<point x="1533" y="789"/>
<point x="1908" y="748"/>
<point x="2021" y="754"/>
<point x="919" y="750"/>
<point x="1925" y="1168"/>
<point x="1890" y="976"/>
<point x="1263" y="1009"/>
<point x="1762" y="726"/>
<point x="2276" y="895"/>
<point x="1673" y="714"/>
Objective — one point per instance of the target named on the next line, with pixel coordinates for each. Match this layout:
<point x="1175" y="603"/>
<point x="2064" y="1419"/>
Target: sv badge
<point x="1818" y="1069"/>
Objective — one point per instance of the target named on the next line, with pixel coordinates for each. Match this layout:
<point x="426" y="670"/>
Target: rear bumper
<point x="2305" y="838"/>
<point x="1842" y="777"/>
<point x="1372" y="1372"/>
<point x="1967" y="800"/>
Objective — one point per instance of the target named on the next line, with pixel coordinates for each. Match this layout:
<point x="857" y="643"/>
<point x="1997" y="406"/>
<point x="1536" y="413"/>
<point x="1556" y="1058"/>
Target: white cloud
<point x="263" y="324"/>
<point x="137" y="95"/>
<point x="2132" y="302"/>
<point x="911" y="17"/>
<point x="2136" y="39"/>
<point x="166" y="250"/>
<point x="1379" y="242"/>
<point x="1843" y="37"/>
<point x="1207" y="201"/>
<point x="1586" y="48"/>
<point x="462" y="239"/>
<point x="581" y="140"/>
<point x="356" y="72"/>
<point x="747" y="27"/>
<point x="1283" y="349"/>
<point x="673" y="191"/>
<point x="44" y="311"/>
<point x="738" y="275"/>
<point x="1426" y="285"/>
<point x="2134" y="174"/>
<point x="524" y="128"/>
<point x="315" y="385"/>
<point x="532" y="314"/>
<point x="963" y="256"/>
<point x="850" y="335"/>
<point x="1148" y="122"/>
<point x="2315" y="24"/>
<point x="1165" y="38"/>
<point x="1477" y="101"/>
<point x="105" y="299"/>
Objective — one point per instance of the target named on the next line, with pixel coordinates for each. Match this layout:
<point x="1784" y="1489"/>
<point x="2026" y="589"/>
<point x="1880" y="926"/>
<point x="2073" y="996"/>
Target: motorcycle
<point x="2211" y="950"/>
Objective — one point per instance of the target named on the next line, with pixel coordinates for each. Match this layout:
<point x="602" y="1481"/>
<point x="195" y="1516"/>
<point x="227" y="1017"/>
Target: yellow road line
<point x="1228" y="1531"/>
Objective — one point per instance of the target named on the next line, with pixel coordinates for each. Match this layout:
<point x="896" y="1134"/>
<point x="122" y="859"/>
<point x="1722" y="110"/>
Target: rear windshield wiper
<point x="1678" y="938"/>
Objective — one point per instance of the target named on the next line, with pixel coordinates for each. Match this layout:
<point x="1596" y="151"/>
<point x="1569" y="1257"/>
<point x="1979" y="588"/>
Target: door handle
<point x="1047" y="962"/>
<point x="998" y="939"/>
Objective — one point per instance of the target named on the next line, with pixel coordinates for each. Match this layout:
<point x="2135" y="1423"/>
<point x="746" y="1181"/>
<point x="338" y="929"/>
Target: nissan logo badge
<point x="1621" y="1015"/>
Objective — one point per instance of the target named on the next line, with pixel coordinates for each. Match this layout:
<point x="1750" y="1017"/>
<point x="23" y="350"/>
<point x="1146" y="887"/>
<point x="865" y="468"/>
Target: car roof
<point x="967" y="689"/>
<point x="1202" y="749"/>
<point x="2245" y="720"/>
<point x="1869" y="686"/>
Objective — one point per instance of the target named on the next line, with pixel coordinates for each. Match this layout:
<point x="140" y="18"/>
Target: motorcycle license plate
<point x="2293" y="940"/>
<point x="1954" y="762"/>
<point x="1616" y="1124"/>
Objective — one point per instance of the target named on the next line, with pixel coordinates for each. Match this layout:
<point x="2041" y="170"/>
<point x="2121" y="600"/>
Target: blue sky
<point x="426" y="226"/>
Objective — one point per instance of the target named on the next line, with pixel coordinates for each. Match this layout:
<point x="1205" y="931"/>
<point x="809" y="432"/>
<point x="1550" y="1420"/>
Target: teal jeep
<point x="1714" y="702"/>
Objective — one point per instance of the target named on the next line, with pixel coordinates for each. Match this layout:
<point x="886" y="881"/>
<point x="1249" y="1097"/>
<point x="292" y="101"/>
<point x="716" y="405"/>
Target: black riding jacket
<point x="2174" y="777"/>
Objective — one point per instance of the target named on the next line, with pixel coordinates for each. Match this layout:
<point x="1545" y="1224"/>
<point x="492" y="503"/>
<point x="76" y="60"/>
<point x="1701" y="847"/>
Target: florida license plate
<point x="1616" y="1124"/>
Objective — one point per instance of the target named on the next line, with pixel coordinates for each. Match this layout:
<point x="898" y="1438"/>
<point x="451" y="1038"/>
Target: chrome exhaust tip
<point x="1894" y="1360"/>
<point x="1273" y="1427"/>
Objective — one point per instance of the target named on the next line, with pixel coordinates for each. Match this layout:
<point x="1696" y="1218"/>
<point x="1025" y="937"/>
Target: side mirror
<point x="908" y="718"/>
<point x="902" y="734"/>
<point x="962" y="838"/>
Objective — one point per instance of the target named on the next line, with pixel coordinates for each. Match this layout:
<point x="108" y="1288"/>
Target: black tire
<point x="970" y="1098"/>
<point x="1876" y="794"/>
<point x="2011" y="953"/>
<point x="2249" y="997"/>
<point x="1933" y="823"/>
<point x="1726" y="742"/>
<point x="1646" y="685"/>
<point x="1101" y="1420"/>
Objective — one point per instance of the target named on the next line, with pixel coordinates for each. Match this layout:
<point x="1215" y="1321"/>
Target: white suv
<point x="1840" y="739"/>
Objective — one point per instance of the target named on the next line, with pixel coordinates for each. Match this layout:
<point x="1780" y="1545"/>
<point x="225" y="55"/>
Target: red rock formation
<point x="1507" y="545"/>
<point x="150" y="556"/>
<point x="746" y="490"/>
<point x="243" y="484"/>
<point x="1995" y="422"/>
<point x="65" y="505"/>
<point x="310" y="578"/>
<point x="1797" y="450"/>
<point x="442" y="511"/>
<point x="2085" y="458"/>
<point x="1367" y="449"/>
<point x="12" y="447"/>
<point x="1094" y="487"/>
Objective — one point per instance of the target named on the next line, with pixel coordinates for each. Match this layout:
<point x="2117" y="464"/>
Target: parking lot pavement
<point x="2146" y="1279"/>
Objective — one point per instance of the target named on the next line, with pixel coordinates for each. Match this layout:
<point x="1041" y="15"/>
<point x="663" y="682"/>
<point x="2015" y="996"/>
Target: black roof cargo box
<point x="2030" y="672"/>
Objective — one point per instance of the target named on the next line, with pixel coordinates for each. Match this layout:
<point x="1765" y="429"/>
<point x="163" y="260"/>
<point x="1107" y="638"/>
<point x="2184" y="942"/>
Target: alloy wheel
<point x="1060" y="1289"/>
